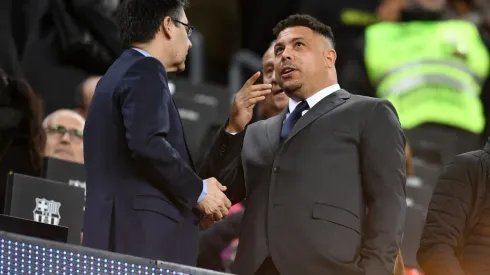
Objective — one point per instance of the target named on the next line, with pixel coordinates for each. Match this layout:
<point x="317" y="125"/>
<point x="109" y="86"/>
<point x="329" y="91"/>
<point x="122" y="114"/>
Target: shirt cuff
<point x="204" y="191"/>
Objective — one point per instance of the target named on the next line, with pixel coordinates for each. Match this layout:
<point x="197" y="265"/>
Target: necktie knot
<point x="293" y="117"/>
<point x="302" y="106"/>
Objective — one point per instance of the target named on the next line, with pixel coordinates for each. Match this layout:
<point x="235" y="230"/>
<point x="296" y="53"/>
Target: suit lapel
<point x="326" y="105"/>
<point x="273" y="130"/>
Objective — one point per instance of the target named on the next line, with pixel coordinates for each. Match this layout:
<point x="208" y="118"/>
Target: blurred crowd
<point x="429" y="57"/>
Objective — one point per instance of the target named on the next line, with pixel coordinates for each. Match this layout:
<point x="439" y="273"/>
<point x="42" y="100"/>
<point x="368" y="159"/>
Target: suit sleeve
<point x="223" y="161"/>
<point x="449" y="209"/>
<point x="384" y="178"/>
<point x="144" y="99"/>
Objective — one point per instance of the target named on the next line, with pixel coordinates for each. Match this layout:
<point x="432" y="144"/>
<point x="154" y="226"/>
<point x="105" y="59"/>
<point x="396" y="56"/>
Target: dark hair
<point x="30" y="127"/>
<point x="302" y="20"/>
<point x="139" y="20"/>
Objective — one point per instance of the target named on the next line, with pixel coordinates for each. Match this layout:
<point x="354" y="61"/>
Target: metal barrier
<point x="196" y="71"/>
<point x="241" y="59"/>
<point x="26" y="255"/>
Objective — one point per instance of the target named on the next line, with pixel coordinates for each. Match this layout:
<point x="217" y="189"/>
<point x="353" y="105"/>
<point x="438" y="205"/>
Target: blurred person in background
<point x="84" y="94"/>
<point x="272" y="105"/>
<point x="434" y="71"/>
<point x="66" y="42"/>
<point x="456" y="236"/>
<point x="22" y="138"/>
<point x="64" y="131"/>
<point x="277" y="100"/>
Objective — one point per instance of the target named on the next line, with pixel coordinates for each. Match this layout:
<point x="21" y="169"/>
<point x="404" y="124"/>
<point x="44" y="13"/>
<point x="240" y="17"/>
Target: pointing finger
<point x="252" y="80"/>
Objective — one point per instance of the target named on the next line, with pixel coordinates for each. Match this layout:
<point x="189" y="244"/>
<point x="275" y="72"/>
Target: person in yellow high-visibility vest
<point x="434" y="71"/>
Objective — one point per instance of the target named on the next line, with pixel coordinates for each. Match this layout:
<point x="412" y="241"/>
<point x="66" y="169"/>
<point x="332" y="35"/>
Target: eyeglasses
<point x="188" y="28"/>
<point x="58" y="129"/>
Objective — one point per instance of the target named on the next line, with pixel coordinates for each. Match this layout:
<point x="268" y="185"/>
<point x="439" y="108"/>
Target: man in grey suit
<point x="324" y="181"/>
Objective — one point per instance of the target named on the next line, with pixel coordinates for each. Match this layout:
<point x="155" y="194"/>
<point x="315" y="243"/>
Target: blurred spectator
<point x="271" y="106"/>
<point x="277" y="100"/>
<point x="456" y="237"/>
<point x="435" y="72"/>
<point x="22" y="138"/>
<point x="9" y="55"/>
<point x="64" y="135"/>
<point x="66" y="42"/>
<point x="84" y="93"/>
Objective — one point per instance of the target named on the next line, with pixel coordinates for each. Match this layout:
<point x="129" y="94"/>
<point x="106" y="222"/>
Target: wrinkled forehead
<point x="67" y="120"/>
<point x="292" y="34"/>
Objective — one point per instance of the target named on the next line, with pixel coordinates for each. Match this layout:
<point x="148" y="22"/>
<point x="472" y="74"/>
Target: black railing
<point x="26" y="255"/>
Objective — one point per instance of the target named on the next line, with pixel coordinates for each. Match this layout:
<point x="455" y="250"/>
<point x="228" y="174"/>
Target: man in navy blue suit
<point x="144" y="197"/>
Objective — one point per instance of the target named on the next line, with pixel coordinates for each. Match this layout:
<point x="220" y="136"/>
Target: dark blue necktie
<point x="293" y="117"/>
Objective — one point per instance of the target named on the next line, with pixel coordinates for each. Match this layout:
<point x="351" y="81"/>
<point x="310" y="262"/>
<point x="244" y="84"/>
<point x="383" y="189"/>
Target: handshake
<point x="215" y="205"/>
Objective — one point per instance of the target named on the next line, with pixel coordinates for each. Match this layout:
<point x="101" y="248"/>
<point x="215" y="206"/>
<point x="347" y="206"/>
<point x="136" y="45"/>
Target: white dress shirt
<point x="314" y="99"/>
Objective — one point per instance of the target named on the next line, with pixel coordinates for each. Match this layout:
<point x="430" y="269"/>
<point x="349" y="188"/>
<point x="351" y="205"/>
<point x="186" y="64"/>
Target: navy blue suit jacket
<point x="141" y="185"/>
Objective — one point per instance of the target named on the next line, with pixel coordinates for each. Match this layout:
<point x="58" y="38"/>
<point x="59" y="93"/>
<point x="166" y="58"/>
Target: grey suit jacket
<point x="330" y="199"/>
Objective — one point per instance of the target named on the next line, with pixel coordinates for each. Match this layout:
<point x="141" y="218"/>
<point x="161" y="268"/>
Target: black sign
<point x="33" y="229"/>
<point x="46" y="201"/>
<point x="64" y="171"/>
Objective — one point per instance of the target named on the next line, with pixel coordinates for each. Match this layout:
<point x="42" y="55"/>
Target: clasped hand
<point x="215" y="205"/>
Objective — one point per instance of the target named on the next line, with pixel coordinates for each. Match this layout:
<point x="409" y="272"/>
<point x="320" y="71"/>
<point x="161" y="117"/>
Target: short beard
<point x="291" y="91"/>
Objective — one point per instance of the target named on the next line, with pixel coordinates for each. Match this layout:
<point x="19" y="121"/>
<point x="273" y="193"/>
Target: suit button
<point x="223" y="150"/>
<point x="275" y="169"/>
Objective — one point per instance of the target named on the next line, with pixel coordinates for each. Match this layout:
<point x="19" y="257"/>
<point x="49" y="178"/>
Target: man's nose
<point x="273" y="78"/>
<point x="65" y="138"/>
<point x="287" y="54"/>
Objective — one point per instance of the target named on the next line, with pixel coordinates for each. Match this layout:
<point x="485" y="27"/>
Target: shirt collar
<point x="315" y="98"/>
<point x="143" y="52"/>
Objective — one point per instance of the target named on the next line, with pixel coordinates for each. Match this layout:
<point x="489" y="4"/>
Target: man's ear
<point x="329" y="57"/>
<point x="167" y="27"/>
